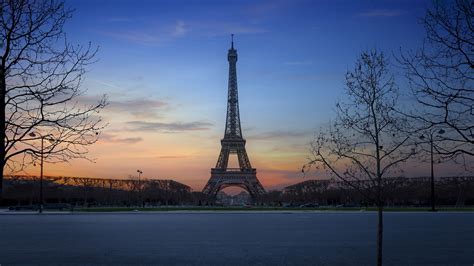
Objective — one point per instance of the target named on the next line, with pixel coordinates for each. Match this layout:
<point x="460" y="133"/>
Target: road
<point x="236" y="238"/>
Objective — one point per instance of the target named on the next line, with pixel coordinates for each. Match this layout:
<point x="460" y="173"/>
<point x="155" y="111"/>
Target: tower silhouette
<point x="233" y="143"/>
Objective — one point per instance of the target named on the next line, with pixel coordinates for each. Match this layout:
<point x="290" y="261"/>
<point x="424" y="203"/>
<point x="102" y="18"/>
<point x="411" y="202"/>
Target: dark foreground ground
<point x="236" y="238"/>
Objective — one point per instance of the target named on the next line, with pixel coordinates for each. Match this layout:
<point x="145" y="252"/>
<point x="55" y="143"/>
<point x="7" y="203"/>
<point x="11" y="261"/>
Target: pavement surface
<point x="235" y="238"/>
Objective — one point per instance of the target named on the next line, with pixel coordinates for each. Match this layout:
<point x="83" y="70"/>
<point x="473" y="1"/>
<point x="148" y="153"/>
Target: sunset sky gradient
<point x="164" y="68"/>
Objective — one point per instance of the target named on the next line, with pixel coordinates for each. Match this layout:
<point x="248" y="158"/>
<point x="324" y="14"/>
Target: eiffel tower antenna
<point x="233" y="143"/>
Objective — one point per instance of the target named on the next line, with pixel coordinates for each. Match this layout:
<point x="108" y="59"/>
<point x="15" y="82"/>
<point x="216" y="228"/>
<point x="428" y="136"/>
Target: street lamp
<point x="431" y="139"/>
<point x="139" y="186"/>
<point x="34" y="135"/>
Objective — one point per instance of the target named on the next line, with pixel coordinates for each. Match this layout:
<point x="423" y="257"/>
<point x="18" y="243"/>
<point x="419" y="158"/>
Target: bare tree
<point x="40" y="77"/>
<point x="441" y="76"/>
<point x="365" y="143"/>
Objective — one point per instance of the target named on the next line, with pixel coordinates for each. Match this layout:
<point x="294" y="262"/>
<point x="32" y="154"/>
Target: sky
<point x="163" y="66"/>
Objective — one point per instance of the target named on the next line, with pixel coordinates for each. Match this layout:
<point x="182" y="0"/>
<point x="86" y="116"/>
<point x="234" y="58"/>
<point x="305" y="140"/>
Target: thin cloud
<point x="138" y="108"/>
<point x="217" y="29"/>
<point x="381" y="13"/>
<point x="167" y="127"/>
<point x="110" y="138"/>
<point x="172" y="156"/>
<point x="107" y="84"/>
<point x="180" y="29"/>
<point x="292" y="148"/>
<point x="150" y="35"/>
<point x="222" y="28"/>
<point x="88" y="100"/>
<point x="270" y="135"/>
<point x="142" y="37"/>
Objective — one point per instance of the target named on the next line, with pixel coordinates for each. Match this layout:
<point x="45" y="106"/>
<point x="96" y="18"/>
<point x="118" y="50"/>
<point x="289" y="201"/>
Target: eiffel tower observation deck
<point x="233" y="143"/>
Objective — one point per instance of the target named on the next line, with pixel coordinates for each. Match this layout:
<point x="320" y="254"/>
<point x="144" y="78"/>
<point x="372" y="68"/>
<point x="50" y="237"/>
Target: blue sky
<point x="164" y="68"/>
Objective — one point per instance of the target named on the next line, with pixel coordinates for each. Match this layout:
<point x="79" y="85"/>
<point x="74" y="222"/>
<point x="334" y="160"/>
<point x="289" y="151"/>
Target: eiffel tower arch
<point x="233" y="143"/>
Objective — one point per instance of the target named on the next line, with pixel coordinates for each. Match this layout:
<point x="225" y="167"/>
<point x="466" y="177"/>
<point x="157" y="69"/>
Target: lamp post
<point x="139" y="186"/>
<point x="431" y="140"/>
<point x="34" y="135"/>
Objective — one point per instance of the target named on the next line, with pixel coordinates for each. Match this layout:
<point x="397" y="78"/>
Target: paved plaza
<point x="236" y="238"/>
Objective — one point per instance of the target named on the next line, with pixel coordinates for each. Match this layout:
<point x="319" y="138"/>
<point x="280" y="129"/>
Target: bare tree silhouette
<point x="366" y="142"/>
<point x="40" y="77"/>
<point x="441" y="76"/>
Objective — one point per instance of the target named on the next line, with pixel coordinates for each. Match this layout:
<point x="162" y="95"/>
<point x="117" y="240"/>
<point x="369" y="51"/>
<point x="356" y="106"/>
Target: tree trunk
<point x="379" y="234"/>
<point x="3" y="90"/>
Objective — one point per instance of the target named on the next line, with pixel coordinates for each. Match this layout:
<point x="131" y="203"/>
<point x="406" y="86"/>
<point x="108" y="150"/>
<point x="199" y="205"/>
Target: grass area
<point x="257" y="208"/>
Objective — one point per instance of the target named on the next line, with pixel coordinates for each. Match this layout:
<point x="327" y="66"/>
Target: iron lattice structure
<point x="233" y="143"/>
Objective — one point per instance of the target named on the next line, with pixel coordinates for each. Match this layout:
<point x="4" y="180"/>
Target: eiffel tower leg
<point x="223" y="160"/>
<point x="244" y="161"/>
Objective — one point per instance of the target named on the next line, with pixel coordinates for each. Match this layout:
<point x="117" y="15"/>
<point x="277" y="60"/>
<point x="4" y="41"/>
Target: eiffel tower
<point x="233" y="143"/>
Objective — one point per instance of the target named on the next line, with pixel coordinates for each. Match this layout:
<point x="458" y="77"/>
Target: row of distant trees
<point x="94" y="192"/>
<point x="374" y="134"/>
<point x="87" y="192"/>
<point x="400" y="191"/>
